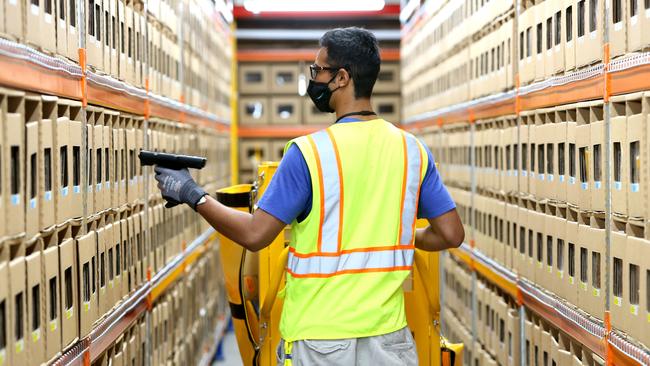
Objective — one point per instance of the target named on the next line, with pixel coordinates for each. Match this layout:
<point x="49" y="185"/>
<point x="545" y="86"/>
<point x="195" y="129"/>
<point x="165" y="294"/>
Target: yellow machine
<point x="253" y="281"/>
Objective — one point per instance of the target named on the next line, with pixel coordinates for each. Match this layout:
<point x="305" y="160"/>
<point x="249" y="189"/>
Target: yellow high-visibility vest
<point x="348" y="258"/>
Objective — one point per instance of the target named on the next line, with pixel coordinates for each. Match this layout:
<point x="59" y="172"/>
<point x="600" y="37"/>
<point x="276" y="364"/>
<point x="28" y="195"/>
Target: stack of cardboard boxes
<point x="269" y="97"/>
<point x="62" y="278"/>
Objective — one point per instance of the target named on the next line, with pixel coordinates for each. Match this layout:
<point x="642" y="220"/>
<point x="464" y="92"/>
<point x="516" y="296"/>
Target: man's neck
<point x="355" y="105"/>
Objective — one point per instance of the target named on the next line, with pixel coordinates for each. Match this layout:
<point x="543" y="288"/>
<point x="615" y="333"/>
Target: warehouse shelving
<point x="90" y="348"/>
<point x="51" y="75"/>
<point x="586" y="330"/>
<point x="270" y="131"/>
<point x="305" y="54"/>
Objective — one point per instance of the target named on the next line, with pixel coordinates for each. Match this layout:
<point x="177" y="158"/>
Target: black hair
<point x="355" y="50"/>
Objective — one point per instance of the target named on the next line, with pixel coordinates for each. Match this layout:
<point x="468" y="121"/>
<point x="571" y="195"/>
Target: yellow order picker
<point x="253" y="281"/>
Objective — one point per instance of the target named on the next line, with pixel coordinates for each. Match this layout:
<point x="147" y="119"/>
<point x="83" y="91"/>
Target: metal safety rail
<point x="585" y="329"/>
<point x="106" y="331"/>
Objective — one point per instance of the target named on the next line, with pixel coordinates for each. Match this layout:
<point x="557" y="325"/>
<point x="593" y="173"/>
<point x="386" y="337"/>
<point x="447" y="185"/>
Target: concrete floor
<point x="230" y="351"/>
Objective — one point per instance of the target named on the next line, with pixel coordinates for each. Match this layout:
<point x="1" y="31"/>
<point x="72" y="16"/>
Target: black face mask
<point x="321" y="94"/>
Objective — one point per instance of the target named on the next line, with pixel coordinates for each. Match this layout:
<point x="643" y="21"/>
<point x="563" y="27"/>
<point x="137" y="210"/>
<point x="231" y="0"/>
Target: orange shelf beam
<point x="278" y="131"/>
<point x="304" y="54"/>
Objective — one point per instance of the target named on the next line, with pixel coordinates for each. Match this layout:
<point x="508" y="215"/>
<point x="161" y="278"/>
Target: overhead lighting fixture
<point x="266" y="6"/>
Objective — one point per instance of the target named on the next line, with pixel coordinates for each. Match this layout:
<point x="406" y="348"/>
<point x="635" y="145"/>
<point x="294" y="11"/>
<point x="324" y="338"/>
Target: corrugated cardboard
<point x="590" y="43"/>
<point x="619" y="156"/>
<point x="548" y="19"/>
<point x="254" y="110"/>
<point x="47" y="186"/>
<point x="596" y="245"/>
<point x="93" y="41"/>
<point x="584" y="163"/>
<point x="538" y="223"/>
<point x="72" y="24"/>
<point x="18" y="335"/>
<point x="52" y="294"/>
<point x="107" y="30"/>
<point x="635" y="23"/>
<point x="254" y="78"/>
<point x="104" y="235"/>
<point x="538" y="34"/>
<point x="14" y="150"/>
<point x="559" y="35"/>
<point x="570" y="34"/>
<point x="33" y="168"/>
<point x="115" y="35"/>
<point x="91" y="162"/>
<point x="115" y="265"/>
<point x="555" y="234"/>
<point x="617" y="28"/>
<point x="96" y="173"/>
<point x="252" y="152"/>
<point x="637" y="314"/>
<point x="572" y="158"/>
<point x="61" y="27"/>
<point x="86" y="247"/>
<point x="109" y="243"/>
<point x="523" y="158"/>
<point x="68" y="286"/>
<point x="284" y="110"/>
<point x="129" y="37"/>
<point x="124" y="259"/>
<point x="284" y="78"/>
<point x="597" y="170"/>
<point x="619" y="271"/>
<point x="74" y="162"/>
<point x="131" y="161"/>
<point x="13" y="23"/>
<point x="63" y="170"/>
<point x="5" y="300"/>
<point x="388" y="80"/>
<point x="388" y="108"/>
<point x="35" y="311"/>
<point x="637" y="135"/>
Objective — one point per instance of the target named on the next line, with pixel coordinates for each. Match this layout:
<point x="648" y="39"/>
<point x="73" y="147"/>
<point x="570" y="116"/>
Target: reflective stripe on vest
<point x="393" y="259"/>
<point x="329" y="260"/>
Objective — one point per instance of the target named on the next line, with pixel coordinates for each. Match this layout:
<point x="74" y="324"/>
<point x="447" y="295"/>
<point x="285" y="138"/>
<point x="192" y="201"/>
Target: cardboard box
<point x="47" y="190"/>
<point x="536" y="220"/>
<point x="522" y="157"/>
<point x="388" y="108"/>
<point x="252" y="152"/>
<point x="119" y="144"/>
<point x="123" y="260"/>
<point x="69" y="302"/>
<point x="14" y="172"/>
<point x="645" y="22"/>
<point x="93" y="35"/>
<point x="619" y="156"/>
<point x="73" y="29"/>
<point x="52" y="296"/>
<point x="525" y="35"/>
<point x="571" y="31"/>
<point x="388" y="80"/>
<point x="585" y="156"/>
<point x="556" y="273"/>
<point x="597" y="171"/>
<point x="593" y="297"/>
<point x="87" y="250"/>
<point x="109" y="243"/>
<point x="97" y="170"/>
<point x="254" y="110"/>
<point x="254" y="78"/>
<point x="13" y="23"/>
<point x="539" y="34"/>
<point x="131" y="161"/>
<point x="284" y="78"/>
<point x="139" y="143"/>
<point x="619" y="268"/>
<point x="74" y="160"/>
<point x="572" y="159"/>
<point x="35" y="314"/>
<point x="91" y="163"/>
<point x="17" y="309"/>
<point x="33" y="166"/>
<point x="104" y="236"/>
<point x="5" y="301"/>
<point x="284" y="110"/>
<point x="617" y="18"/>
<point x="559" y="35"/>
<point x="63" y="170"/>
<point x="107" y="30"/>
<point x="138" y="25"/>
<point x="636" y="277"/>
<point x="548" y="19"/>
<point x="589" y="36"/>
<point x="312" y="116"/>
<point x="637" y="145"/>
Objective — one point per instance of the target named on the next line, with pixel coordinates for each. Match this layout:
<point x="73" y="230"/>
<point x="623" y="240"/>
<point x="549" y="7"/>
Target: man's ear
<point x="343" y="77"/>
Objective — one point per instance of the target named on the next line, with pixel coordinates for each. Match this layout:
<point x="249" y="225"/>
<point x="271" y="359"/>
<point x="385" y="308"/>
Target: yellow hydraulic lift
<point x="253" y="281"/>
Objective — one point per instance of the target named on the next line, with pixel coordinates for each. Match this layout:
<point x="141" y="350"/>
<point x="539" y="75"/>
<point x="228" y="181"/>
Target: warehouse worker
<point x="352" y="193"/>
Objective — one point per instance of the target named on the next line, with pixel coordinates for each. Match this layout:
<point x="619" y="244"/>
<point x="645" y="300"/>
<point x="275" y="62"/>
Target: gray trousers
<point x="391" y="349"/>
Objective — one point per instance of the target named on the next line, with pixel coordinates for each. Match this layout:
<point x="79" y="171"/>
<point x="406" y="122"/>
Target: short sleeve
<point x="435" y="200"/>
<point x="289" y="194"/>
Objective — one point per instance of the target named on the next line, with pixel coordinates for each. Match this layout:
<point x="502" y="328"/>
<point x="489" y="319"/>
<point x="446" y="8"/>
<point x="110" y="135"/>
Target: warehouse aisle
<point x="230" y="351"/>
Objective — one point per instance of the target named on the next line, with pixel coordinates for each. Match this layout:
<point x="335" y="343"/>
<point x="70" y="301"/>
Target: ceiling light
<point x="263" y="6"/>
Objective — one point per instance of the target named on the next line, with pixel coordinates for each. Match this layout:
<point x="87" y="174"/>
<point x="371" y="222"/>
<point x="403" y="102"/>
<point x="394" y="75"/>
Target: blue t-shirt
<point x="289" y="195"/>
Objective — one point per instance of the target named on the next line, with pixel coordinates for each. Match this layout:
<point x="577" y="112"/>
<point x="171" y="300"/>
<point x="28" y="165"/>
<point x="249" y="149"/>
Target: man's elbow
<point x="457" y="238"/>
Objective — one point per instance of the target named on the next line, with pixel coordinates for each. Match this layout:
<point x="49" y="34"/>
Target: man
<point x="352" y="193"/>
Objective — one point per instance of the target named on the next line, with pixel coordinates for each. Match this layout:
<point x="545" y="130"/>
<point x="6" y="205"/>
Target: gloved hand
<point x="178" y="186"/>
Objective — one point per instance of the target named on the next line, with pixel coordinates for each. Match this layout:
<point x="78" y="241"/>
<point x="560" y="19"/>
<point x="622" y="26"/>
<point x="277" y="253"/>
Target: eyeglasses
<point x="315" y="69"/>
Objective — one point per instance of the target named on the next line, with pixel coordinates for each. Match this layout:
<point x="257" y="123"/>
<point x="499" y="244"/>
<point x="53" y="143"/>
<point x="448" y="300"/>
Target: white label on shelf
<point x="593" y="35"/>
<point x="516" y="173"/>
<point x="569" y="44"/>
<point x="634" y="309"/>
<point x="541" y="177"/>
<point x="634" y="187"/>
<point x="76" y="189"/>
<point x="98" y="187"/>
<point x="618" y="186"/>
<point x="550" y="178"/>
<point x="86" y="306"/>
<point x="64" y="191"/>
<point x="597" y="184"/>
<point x="48" y="195"/>
<point x="532" y="175"/>
<point x="647" y="12"/>
<point x="558" y="48"/>
<point x="572" y="180"/>
<point x="32" y="203"/>
<point x="108" y="185"/>
<point x="15" y="199"/>
<point x="634" y="20"/>
<point x="562" y="178"/>
<point x="61" y="23"/>
<point x="69" y="313"/>
<point x="618" y="26"/>
<point x="584" y="186"/>
<point x="618" y="301"/>
<point x="524" y="173"/>
<point x="35" y="10"/>
<point x="560" y="274"/>
<point x="48" y="18"/>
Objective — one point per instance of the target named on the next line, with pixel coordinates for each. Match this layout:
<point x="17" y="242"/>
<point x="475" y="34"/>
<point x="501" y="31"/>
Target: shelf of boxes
<point x="516" y="118"/>
<point x="80" y="231"/>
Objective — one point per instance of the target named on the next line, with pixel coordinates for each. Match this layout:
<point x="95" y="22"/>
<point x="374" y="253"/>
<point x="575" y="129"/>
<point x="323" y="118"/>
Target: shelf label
<point x="86" y="306"/>
<point x="19" y="346"/>
<point x="524" y="173"/>
<point x="36" y="335"/>
<point x="618" y="186"/>
<point x="2" y="357"/>
<point x="634" y="187"/>
<point x="550" y="269"/>
<point x="560" y="274"/>
<point x="634" y="309"/>
<point x="32" y="203"/>
<point x="15" y="199"/>
<point x="48" y="195"/>
<point x="572" y="180"/>
<point x="597" y="184"/>
<point x="69" y="313"/>
<point x="596" y="292"/>
<point x="53" y="325"/>
<point x="583" y="286"/>
<point x="572" y="280"/>
<point x="98" y="187"/>
<point x="562" y="178"/>
<point x="64" y="191"/>
<point x="550" y="177"/>
<point x="76" y="189"/>
<point x="541" y="177"/>
<point x="35" y="10"/>
<point x="618" y="301"/>
<point x="584" y="186"/>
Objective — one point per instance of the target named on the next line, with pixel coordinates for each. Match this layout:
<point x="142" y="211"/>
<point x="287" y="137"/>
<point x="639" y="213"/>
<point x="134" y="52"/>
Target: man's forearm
<point x="234" y="224"/>
<point x="427" y="239"/>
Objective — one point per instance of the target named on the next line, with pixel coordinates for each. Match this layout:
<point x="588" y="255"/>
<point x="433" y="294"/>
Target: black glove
<point x="178" y="186"/>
